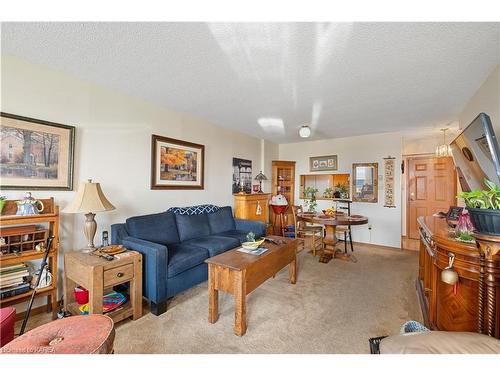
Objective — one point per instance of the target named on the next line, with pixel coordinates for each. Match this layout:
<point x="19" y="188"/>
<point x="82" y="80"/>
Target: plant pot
<point x="485" y="221"/>
<point x="336" y="194"/>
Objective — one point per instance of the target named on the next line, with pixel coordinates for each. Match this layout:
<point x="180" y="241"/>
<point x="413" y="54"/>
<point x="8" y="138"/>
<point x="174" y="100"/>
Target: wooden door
<point x="431" y="188"/>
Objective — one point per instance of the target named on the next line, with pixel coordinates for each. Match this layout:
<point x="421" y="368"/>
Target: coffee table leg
<point x="213" y="296"/>
<point x="240" y="301"/>
<point x="292" y="271"/>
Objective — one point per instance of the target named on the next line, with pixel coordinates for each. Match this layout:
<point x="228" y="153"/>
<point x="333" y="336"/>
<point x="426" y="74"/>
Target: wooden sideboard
<point x="444" y="307"/>
<point x="246" y="206"/>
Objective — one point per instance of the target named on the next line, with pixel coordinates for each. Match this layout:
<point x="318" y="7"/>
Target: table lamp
<point x="260" y="177"/>
<point x="89" y="199"/>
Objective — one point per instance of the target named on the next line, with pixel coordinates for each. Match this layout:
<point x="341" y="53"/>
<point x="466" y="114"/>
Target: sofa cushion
<point x="192" y="226"/>
<point x="214" y="244"/>
<point x="159" y="228"/>
<point x="221" y="220"/>
<point x="182" y="257"/>
<point x="235" y="233"/>
<point x="440" y="342"/>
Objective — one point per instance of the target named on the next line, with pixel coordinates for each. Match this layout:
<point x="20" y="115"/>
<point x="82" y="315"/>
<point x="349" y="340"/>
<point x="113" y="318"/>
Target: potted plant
<point x="3" y="198"/>
<point x="342" y="190"/>
<point x="484" y="208"/>
<point x="328" y="193"/>
<point x="310" y="198"/>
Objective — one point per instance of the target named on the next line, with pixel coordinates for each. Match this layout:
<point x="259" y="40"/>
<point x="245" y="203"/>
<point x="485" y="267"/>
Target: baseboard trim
<point x="376" y="246"/>
<point x="34" y="311"/>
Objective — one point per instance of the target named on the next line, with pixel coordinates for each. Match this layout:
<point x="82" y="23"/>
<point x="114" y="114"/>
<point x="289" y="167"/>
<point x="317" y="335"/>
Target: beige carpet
<point x="333" y="308"/>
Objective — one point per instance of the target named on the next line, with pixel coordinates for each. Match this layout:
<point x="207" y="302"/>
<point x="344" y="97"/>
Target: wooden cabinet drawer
<point x="119" y="274"/>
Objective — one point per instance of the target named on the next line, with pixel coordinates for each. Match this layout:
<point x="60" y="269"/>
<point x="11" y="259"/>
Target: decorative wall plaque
<point x="389" y="172"/>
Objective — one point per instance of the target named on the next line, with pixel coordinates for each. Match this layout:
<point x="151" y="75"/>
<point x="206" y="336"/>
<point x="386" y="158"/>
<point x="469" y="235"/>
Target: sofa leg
<point x="158" y="308"/>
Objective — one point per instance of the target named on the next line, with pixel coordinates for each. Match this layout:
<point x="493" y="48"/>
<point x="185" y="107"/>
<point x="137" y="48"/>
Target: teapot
<point x="29" y="206"/>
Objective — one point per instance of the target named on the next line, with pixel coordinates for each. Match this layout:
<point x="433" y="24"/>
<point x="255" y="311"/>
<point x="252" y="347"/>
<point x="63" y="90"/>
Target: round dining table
<point x="330" y="240"/>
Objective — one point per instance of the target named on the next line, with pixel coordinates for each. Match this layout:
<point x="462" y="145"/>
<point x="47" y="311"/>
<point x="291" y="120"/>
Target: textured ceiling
<point x="267" y="79"/>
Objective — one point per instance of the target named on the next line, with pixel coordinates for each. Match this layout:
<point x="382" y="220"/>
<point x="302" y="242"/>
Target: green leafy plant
<point x="466" y="237"/>
<point x="328" y="193"/>
<point x="251" y="237"/>
<point x="341" y="188"/>
<point x="310" y="198"/>
<point x="3" y="198"/>
<point x="485" y="199"/>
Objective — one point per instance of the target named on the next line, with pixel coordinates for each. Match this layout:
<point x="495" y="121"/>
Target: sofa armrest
<point x="154" y="267"/>
<point x="258" y="227"/>
<point x="118" y="233"/>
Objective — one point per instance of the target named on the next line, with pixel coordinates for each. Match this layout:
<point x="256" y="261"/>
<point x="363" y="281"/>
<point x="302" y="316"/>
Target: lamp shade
<point x="89" y="198"/>
<point x="261" y="177"/>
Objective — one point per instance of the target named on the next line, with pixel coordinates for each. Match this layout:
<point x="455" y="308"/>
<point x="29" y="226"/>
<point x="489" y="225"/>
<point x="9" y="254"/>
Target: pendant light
<point x="444" y="149"/>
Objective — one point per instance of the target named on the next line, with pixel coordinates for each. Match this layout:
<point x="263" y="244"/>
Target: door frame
<point x="407" y="159"/>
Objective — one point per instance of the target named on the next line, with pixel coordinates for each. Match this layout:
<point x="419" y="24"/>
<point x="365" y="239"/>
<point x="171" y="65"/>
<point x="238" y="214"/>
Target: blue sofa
<point x="174" y="245"/>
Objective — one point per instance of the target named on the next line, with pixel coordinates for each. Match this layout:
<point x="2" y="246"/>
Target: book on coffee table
<point x="257" y="251"/>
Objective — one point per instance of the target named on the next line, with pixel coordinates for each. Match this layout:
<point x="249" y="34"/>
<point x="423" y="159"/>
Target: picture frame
<point x="36" y="154"/>
<point x="365" y="182"/>
<point x="176" y="164"/>
<point x="242" y="176"/>
<point x="323" y="163"/>
<point x="454" y="213"/>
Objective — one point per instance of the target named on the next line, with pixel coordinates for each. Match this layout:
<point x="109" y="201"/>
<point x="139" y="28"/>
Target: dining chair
<point x="345" y="230"/>
<point x="303" y="231"/>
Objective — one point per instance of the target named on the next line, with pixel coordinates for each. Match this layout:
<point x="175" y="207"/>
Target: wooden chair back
<point x="297" y="210"/>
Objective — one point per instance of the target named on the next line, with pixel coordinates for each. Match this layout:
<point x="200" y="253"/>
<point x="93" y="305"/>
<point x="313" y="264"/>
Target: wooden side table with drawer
<point x="96" y="275"/>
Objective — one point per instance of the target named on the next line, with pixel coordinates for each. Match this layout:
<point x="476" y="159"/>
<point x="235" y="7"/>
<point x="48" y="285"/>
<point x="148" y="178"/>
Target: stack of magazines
<point x="257" y="251"/>
<point x="14" y="280"/>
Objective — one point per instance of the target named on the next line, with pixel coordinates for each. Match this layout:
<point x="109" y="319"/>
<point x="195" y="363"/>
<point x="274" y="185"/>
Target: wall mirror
<point x="365" y="182"/>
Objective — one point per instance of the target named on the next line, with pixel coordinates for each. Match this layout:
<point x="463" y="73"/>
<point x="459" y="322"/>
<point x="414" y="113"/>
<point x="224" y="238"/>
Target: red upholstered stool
<point x="91" y="334"/>
<point x="7" y="321"/>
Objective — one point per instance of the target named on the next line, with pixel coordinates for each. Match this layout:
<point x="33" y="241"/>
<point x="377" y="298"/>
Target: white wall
<point x="113" y="137"/>
<point x="270" y="152"/>
<point x="487" y="100"/>
<point x="386" y="222"/>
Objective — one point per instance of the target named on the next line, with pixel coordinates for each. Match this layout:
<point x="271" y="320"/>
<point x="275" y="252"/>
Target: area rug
<point x="333" y="308"/>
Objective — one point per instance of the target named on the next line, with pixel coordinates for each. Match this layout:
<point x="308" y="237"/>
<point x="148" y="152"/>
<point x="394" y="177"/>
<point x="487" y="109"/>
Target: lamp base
<point x="89" y="229"/>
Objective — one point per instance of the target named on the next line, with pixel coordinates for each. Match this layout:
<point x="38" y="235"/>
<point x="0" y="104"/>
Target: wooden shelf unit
<point x="9" y="220"/>
<point x="283" y="182"/>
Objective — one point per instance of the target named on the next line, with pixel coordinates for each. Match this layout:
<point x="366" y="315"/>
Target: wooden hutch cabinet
<point x="284" y="183"/>
<point x="20" y="236"/>
<point x="252" y="206"/>
<point x="445" y="307"/>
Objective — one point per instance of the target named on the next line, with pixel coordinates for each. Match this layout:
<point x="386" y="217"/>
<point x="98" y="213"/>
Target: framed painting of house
<point x="176" y="164"/>
<point x="35" y="154"/>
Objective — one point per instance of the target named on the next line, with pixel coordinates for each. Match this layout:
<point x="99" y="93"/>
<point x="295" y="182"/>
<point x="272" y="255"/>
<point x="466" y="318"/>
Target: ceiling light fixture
<point x="444" y="149"/>
<point x="305" y="131"/>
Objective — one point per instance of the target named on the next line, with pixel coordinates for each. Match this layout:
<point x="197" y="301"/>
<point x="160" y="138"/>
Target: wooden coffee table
<point x="239" y="274"/>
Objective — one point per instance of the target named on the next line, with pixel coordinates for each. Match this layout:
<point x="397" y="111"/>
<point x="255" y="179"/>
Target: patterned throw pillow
<point x="194" y="210"/>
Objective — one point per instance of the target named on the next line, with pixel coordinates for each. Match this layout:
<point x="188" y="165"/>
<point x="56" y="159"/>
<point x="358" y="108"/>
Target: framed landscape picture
<point x="176" y="164"/>
<point x="35" y="154"/>
<point x="323" y="163"/>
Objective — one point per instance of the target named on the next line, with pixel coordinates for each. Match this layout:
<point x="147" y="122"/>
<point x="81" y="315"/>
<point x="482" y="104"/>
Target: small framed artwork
<point x="176" y="164"/>
<point x="36" y="154"/>
<point x="454" y="213"/>
<point x="323" y="163"/>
